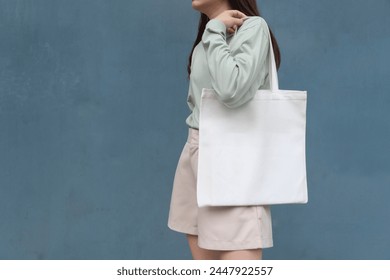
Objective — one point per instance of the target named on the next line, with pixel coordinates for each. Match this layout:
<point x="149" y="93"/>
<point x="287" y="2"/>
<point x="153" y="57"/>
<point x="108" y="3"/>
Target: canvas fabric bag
<point x="253" y="154"/>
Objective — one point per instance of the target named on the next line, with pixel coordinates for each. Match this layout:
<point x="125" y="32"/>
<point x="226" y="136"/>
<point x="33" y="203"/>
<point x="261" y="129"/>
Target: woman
<point x="230" y="55"/>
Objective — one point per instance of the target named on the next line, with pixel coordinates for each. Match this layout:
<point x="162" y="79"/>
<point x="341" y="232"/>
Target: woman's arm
<point x="237" y="75"/>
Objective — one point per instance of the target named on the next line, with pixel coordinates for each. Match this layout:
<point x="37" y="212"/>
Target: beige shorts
<point x="217" y="227"/>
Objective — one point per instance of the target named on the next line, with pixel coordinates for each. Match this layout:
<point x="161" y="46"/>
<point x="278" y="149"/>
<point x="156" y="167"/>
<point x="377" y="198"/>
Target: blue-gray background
<point x="92" y="123"/>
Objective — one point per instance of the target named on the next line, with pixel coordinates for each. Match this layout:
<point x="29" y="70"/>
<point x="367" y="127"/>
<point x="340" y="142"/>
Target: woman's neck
<point x="215" y="11"/>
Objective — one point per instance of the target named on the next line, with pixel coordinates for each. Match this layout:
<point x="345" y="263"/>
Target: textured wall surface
<point x="92" y="123"/>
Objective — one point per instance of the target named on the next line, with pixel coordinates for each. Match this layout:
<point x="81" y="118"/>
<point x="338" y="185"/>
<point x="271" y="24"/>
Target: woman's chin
<point x="196" y="6"/>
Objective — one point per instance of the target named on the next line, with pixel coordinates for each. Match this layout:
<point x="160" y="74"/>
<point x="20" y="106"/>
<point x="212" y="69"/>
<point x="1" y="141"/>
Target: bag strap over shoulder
<point x="273" y="75"/>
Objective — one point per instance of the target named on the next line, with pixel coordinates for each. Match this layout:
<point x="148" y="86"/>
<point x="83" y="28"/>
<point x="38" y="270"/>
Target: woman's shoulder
<point x="254" y="22"/>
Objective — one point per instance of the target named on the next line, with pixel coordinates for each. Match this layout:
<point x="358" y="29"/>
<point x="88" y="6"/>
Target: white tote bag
<point x="253" y="154"/>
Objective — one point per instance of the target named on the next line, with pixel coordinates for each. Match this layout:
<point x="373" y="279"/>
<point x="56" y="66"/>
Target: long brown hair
<point x="249" y="8"/>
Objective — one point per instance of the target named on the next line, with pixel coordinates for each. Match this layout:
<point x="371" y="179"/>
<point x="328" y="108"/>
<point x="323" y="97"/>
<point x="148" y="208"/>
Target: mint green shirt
<point x="234" y="65"/>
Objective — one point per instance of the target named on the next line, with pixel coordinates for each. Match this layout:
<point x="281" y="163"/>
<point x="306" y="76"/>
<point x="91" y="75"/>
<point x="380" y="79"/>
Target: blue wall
<point x="92" y="123"/>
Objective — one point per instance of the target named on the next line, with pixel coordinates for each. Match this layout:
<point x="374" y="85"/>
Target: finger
<point x="238" y="21"/>
<point x="231" y="30"/>
<point x="237" y="14"/>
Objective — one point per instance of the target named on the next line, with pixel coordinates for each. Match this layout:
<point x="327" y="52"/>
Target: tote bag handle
<point x="272" y="73"/>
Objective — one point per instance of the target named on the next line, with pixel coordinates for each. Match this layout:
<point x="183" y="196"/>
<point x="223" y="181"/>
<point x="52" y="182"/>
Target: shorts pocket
<point x="259" y="211"/>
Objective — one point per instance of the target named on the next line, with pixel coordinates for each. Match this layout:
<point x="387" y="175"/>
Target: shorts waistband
<point x="193" y="135"/>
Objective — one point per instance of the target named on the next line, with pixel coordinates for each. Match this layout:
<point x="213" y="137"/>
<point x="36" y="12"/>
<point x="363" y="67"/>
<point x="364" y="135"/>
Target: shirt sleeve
<point x="237" y="75"/>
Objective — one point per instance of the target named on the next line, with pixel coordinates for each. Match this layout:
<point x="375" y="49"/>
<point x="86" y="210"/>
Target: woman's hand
<point x="232" y="19"/>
